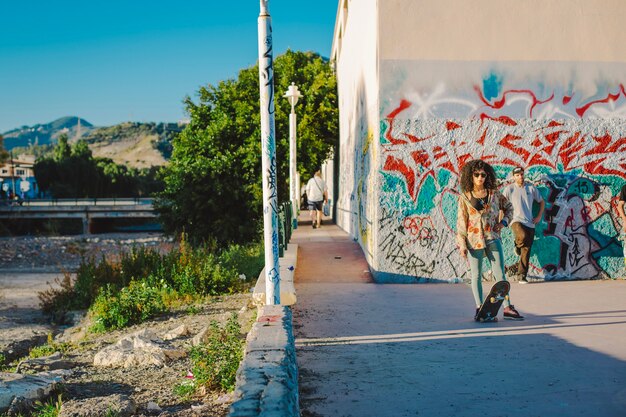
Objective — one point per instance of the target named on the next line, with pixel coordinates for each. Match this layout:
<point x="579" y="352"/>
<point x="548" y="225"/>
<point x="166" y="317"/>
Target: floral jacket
<point x="475" y="227"/>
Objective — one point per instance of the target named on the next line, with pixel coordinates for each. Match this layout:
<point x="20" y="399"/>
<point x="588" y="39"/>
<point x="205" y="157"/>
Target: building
<point x="425" y="85"/>
<point x="17" y="177"/>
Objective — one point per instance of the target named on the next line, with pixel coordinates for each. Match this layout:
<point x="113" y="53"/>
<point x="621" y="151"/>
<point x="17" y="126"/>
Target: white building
<point x="425" y="85"/>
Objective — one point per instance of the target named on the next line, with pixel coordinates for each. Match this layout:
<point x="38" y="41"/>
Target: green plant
<point x="50" y="408"/>
<point x="215" y="363"/>
<point x="133" y="304"/>
<point x="48" y="348"/>
<point x="185" y="389"/>
<point x="193" y="309"/>
<point x="143" y="283"/>
<point x="246" y="260"/>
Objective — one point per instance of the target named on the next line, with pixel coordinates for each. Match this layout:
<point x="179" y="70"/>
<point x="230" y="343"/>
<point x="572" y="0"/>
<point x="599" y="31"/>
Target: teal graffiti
<point x="492" y="86"/>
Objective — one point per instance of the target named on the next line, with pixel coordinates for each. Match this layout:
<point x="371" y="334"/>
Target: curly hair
<point x="467" y="172"/>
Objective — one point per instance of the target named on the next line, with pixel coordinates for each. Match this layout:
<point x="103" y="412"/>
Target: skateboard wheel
<point x="493" y="300"/>
<point x="506" y="297"/>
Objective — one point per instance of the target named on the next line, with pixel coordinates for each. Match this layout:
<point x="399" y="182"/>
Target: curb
<point x="267" y="379"/>
<point x="287" y="265"/>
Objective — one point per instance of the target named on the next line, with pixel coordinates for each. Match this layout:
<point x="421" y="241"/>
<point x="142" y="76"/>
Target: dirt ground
<point x="22" y="326"/>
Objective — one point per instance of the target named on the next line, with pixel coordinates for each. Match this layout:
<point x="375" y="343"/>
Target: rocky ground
<point x="148" y="388"/>
<point x="63" y="253"/>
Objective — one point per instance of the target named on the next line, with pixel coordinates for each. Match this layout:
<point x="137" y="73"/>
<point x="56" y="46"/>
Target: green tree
<point x="62" y="150"/>
<point x="213" y="185"/>
<point x="75" y="173"/>
<point x="81" y="149"/>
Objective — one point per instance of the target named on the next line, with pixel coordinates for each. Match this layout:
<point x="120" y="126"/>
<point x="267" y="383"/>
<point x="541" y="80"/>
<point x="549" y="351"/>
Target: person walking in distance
<point x="522" y="195"/>
<point x="478" y="227"/>
<point x="622" y="214"/>
<point x="317" y="194"/>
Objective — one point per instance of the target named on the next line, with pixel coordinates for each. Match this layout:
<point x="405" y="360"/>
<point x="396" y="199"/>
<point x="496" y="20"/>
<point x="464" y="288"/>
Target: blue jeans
<point x="493" y="252"/>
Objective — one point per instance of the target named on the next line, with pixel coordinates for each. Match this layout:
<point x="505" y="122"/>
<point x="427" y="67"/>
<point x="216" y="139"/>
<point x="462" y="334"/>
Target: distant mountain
<point x="133" y="144"/>
<point x="44" y="134"/>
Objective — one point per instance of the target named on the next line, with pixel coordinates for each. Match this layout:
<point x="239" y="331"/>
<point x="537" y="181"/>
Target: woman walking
<point x="478" y="227"/>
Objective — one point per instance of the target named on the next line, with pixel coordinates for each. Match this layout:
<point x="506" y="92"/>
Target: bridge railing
<point x="87" y="202"/>
<point x="285" y="215"/>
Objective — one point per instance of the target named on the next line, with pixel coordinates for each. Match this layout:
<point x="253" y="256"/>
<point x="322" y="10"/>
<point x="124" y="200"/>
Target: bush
<point x="143" y="282"/>
<point x="215" y="363"/>
<point x="246" y="260"/>
<point x="133" y="304"/>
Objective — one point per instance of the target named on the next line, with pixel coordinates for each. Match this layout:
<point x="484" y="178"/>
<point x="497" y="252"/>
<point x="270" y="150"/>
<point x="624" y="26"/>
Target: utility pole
<point x="13" y="173"/>
<point x="268" y="157"/>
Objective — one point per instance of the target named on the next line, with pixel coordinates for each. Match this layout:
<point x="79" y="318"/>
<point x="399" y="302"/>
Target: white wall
<point x="503" y="30"/>
<point x="357" y="71"/>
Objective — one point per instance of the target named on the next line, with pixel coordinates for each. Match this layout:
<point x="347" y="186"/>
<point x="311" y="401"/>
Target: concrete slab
<point x="367" y="349"/>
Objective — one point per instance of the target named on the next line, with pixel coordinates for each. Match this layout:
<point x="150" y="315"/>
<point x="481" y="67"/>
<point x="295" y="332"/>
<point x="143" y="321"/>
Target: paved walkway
<point x="366" y="349"/>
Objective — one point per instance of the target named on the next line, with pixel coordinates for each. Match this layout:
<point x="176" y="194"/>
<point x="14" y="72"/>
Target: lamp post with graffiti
<point x="293" y="95"/>
<point x="268" y="157"/>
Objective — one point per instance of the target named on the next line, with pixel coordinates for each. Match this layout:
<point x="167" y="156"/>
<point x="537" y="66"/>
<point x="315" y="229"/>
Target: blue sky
<point x="114" y="61"/>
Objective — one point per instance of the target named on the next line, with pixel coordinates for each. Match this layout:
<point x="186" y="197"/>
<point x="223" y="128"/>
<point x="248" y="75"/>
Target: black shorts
<point x="315" y="205"/>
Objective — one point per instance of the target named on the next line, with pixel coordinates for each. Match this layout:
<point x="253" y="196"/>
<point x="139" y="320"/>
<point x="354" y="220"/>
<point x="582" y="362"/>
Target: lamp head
<point x="293" y="94"/>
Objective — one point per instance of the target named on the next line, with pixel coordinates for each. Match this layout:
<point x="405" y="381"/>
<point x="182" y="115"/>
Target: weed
<point x="51" y="408"/>
<point x="215" y="362"/>
<point x="185" y="390"/>
<point x="143" y="283"/>
<point x="48" y="348"/>
<point x="133" y="304"/>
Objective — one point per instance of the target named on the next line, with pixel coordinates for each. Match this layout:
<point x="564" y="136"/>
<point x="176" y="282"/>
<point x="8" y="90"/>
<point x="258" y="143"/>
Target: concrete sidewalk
<point x="365" y="349"/>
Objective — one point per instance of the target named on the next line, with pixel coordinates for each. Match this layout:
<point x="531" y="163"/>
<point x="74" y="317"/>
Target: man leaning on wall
<point x="522" y="195"/>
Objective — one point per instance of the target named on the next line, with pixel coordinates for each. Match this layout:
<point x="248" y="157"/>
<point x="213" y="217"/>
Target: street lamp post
<point x="268" y="157"/>
<point x="293" y="95"/>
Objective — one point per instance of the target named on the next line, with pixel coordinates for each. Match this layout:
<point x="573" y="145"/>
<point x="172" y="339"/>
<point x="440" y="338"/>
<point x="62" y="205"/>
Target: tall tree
<point x="62" y="149"/>
<point x="213" y="185"/>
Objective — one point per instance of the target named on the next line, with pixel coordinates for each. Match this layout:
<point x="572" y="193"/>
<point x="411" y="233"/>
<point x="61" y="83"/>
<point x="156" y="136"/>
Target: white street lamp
<point x="293" y="95"/>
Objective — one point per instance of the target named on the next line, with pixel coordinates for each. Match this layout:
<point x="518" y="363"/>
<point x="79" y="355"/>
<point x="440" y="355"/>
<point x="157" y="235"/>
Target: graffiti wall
<point x="564" y="122"/>
<point x="355" y="204"/>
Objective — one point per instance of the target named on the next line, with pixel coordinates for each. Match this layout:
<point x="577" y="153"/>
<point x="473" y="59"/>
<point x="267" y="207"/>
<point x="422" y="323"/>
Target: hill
<point x="45" y="134"/>
<point x="136" y="145"/>
<point x="139" y="145"/>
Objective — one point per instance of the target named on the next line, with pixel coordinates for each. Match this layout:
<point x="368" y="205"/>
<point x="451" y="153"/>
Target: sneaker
<point x="518" y="252"/>
<point x="523" y="280"/>
<point x="510" y="313"/>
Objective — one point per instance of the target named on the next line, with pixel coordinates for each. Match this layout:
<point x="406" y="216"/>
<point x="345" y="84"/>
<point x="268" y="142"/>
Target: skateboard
<point x="488" y="311"/>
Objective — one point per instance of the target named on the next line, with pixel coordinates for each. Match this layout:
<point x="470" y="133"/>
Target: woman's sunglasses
<point x="480" y="174"/>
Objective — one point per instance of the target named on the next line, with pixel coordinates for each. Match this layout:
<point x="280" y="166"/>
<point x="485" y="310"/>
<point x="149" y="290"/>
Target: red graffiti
<point x="452" y="125"/>
<point x="610" y="97"/>
<point x="393" y="164"/>
<point x="502" y="142"/>
<point x="505" y="120"/>
<point x="498" y="104"/>
<point x="404" y="104"/>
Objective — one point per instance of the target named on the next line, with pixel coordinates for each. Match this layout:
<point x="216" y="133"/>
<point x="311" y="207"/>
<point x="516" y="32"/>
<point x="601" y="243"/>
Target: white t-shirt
<point x="315" y="189"/>
<point x="522" y="199"/>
